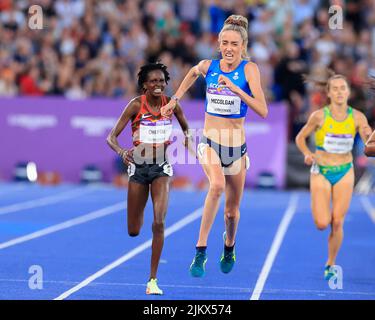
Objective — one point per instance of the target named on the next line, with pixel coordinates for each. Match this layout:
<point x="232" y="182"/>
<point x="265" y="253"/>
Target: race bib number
<point x="155" y="133"/>
<point x="335" y="143"/>
<point x="223" y="104"/>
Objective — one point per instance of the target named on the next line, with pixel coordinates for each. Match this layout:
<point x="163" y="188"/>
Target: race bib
<point x="338" y="143"/>
<point x="223" y="102"/>
<point x="155" y="132"/>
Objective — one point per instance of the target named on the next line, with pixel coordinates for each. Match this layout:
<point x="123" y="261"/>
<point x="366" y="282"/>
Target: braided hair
<point x="147" y="68"/>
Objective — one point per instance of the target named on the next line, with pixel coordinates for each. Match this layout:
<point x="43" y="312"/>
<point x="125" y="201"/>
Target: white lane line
<point x="44" y="201"/>
<point x="368" y="208"/>
<point x="203" y="287"/>
<point x="66" y="224"/>
<point x="277" y="241"/>
<point x="172" y="229"/>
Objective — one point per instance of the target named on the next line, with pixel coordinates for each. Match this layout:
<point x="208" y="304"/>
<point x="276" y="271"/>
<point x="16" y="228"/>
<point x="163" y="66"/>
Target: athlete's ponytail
<point x="323" y="80"/>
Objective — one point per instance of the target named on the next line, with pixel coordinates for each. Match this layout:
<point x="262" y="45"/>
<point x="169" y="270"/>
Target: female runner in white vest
<point x="233" y="84"/>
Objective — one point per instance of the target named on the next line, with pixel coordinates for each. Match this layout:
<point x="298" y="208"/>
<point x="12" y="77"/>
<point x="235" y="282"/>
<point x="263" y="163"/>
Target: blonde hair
<point x="239" y="24"/>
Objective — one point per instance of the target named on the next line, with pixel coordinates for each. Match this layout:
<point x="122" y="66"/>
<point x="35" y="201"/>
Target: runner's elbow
<point x="109" y="139"/>
<point x="265" y="113"/>
<point x="298" y="139"/>
<point x="195" y="71"/>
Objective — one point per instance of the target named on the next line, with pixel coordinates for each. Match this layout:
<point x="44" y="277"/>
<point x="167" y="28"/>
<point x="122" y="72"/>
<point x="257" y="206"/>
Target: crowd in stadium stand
<point x="93" y="48"/>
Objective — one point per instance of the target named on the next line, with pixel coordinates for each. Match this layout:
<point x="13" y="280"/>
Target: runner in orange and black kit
<point x="148" y="167"/>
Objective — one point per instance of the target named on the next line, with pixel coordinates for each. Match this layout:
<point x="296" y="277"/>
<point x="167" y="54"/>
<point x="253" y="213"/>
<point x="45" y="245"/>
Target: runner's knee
<point x="322" y="223"/>
<point x="134" y="228"/>
<point x="217" y="188"/>
<point x="158" y="227"/>
<point x="337" y="223"/>
<point x="232" y="212"/>
<point x="133" y="232"/>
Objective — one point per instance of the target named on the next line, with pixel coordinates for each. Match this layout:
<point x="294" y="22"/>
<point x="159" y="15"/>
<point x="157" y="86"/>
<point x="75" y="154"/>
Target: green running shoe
<point x="152" y="287"/>
<point x="198" y="266"/>
<point x="228" y="258"/>
<point x="328" y="273"/>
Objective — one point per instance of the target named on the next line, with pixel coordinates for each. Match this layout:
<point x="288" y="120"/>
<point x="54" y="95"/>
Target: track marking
<point x="66" y="224"/>
<point x="239" y="289"/>
<point x="137" y="250"/>
<point x="277" y="241"/>
<point x="44" y="201"/>
<point x="368" y="208"/>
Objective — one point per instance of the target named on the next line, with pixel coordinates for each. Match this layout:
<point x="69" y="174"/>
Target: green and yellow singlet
<point x="336" y="136"/>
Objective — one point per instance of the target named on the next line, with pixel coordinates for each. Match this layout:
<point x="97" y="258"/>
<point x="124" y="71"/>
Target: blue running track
<point x="76" y="234"/>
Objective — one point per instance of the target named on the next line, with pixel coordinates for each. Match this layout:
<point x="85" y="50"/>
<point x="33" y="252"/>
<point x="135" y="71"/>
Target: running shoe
<point x="198" y="266"/>
<point x="328" y="273"/>
<point x="228" y="258"/>
<point x="152" y="287"/>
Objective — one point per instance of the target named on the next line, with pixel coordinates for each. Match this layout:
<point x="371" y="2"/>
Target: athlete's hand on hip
<point x="223" y="80"/>
<point x="127" y="156"/>
<point x="309" y="159"/>
<point x="167" y="110"/>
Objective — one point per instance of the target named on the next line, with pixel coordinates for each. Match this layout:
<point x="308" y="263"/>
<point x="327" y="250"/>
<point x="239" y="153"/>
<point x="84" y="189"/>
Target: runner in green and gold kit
<point x="332" y="174"/>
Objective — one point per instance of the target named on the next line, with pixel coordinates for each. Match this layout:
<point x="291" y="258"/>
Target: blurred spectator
<point x="7" y="83"/>
<point x="74" y="90"/>
<point x="289" y="77"/>
<point x="325" y="48"/>
<point x="189" y="13"/>
<point x="306" y="39"/>
<point x="68" y="10"/>
<point x="262" y="51"/>
<point x="281" y="11"/>
<point x="218" y="14"/>
<point x="262" y="24"/>
<point x="29" y="83"/>
<point x="303" y="10"/>
<point x="206" y="46"/>
<point x="94" y="48"/>
<point x="289" y="71"/>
